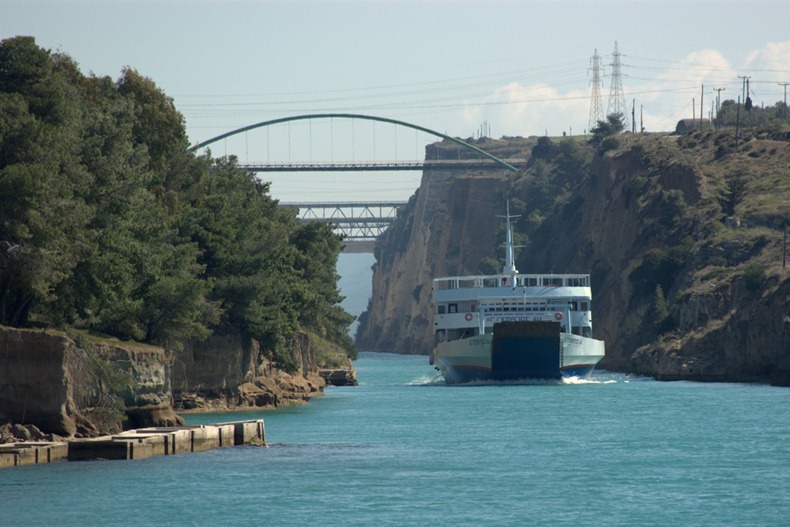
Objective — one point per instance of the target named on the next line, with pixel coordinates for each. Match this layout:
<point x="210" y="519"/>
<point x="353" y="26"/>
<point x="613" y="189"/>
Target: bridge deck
<point x="374" y="166"/>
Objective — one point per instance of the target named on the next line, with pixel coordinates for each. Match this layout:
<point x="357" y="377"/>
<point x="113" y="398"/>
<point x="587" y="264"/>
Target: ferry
<point x="510" y="326"/>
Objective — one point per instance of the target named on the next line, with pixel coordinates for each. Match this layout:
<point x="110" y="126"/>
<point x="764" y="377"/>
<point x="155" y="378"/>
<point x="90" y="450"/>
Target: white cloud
<point x="704" y="67"/>
<point x="773" y="58"/>
<point x="517" y="110"/>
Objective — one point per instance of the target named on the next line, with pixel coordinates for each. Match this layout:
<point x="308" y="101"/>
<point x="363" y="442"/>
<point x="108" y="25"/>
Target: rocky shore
<point x="53" y="386"/>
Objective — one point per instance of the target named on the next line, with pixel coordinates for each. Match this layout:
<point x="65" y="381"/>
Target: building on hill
<point x="687" y="125"/>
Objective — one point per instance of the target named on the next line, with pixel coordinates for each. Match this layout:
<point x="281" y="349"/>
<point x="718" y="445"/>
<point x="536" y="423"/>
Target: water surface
<point x="404" y="449"/>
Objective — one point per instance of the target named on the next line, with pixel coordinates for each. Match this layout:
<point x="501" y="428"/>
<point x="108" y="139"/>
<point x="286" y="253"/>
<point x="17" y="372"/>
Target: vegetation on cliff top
<point x="123" y="231"/>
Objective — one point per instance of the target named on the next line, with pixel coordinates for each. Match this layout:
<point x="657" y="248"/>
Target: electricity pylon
<point x="616" y="94"/>
<point x="596" y="110"/>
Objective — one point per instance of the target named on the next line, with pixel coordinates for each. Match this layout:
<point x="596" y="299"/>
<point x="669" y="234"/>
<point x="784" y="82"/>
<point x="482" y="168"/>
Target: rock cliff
<point x="51" y="383"/>
<point x="231" y="372"/>
<point x="681" y="291"/>
<point x="49" y="380"/>
<point x="447" y="228"/>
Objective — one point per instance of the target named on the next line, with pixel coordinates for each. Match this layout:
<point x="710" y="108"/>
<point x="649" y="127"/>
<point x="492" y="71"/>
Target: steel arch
<point x="354" y="116"/>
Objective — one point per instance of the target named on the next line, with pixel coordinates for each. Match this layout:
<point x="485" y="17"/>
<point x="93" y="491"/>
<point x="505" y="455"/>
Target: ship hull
<point x="518" y="351"/>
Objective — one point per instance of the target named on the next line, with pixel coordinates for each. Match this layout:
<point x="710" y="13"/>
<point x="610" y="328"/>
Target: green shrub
<point x="610" y="143"/>
<point x="754" y="276"/>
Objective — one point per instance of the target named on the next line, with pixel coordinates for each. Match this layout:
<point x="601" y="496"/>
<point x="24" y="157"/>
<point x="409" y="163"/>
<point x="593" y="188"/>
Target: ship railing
<point x="536" y="303"/>
<point x="525" y="280"/>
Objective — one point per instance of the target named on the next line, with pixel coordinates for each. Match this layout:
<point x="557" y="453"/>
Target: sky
<point x="509" y="68"/>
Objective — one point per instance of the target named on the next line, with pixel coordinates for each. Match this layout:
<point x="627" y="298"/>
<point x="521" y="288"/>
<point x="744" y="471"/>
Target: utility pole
<point x="737" y="120"/>
<point x="701" y="105"/>
<point x="633" y="116"/>
<point x="784" y="85"/>
<point x="693" y="113"/>
<point x="743" y="95"/>
<point x="641" y="120"/>
<point x="718" y="103"/>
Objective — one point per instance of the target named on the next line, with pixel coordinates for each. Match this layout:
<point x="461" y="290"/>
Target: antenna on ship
<point x="510" y="263"/>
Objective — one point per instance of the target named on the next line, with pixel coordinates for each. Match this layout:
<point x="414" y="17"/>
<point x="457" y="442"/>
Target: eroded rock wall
<point x="230" y="372"/>
<point x="84" y="388"/>
<point x="49" y="380"/>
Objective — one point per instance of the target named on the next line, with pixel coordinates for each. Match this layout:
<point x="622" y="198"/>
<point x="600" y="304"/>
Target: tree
<point x="754" y="276"/>
<point x="126" y="232"/>
<point x="41" y="183"/>
<point x="612" y="126"/>
<point x="660" y="311"/>
<point x="732" y="194"/>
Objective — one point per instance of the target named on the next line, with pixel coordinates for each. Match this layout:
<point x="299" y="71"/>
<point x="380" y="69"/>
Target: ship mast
<point x="510" y="263"/>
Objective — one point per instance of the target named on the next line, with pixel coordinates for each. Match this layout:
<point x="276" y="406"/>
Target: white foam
<point x="580" y="380"/>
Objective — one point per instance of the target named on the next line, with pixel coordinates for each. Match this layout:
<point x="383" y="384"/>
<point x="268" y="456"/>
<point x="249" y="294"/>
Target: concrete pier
<point x="137" y="444"/>
<point x="32" y="453"/>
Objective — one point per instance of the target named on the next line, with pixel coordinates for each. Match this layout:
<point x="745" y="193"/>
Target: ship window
<point x="473" y="308"/>
<point x="587" y="332"/>
<point x="574" y="305"/>
<point x="584" y="306"/>
<point x="441" y="309"/>
<point x="453" y="308"/>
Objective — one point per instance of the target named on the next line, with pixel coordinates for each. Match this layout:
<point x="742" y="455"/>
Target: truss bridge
<point x="359" y="223"/>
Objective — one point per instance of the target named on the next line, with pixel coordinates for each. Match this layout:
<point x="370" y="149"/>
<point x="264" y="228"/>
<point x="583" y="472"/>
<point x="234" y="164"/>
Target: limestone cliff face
<point x="86" y="387"/>
<point x="446" y="230"/>
<point x="230" y="371"/>
<point x="648" y="198"/>
<point x="49" y="380"/>
<point x="655" y="195"/>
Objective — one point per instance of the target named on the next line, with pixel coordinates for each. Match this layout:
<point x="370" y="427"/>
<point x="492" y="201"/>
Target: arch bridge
<point x="491" y="159"/>
<point x="360" y="223"/>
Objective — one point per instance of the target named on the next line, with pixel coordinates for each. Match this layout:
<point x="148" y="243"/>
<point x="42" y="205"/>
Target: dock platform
<point x="141" y="443"/>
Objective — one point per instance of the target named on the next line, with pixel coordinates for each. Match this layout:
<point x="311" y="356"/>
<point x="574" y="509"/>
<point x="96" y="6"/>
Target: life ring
<point x="558" y="315"/>
<point x="468" y="316"/>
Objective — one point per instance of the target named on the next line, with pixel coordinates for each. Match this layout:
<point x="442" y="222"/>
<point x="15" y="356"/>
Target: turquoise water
<point x="402" y="449"/>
